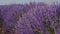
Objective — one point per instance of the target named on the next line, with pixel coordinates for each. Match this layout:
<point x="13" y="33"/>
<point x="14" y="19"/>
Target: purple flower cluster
<point x="33" y="18"/>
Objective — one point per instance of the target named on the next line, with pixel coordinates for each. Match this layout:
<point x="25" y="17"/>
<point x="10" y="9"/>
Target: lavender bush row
<point x="33" y="18"/>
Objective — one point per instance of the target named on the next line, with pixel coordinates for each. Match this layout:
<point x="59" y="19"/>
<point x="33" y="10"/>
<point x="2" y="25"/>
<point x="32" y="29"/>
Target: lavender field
<point x="33" y="18"/>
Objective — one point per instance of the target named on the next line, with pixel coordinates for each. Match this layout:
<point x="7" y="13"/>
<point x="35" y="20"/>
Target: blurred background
<point x="6" y="2"/>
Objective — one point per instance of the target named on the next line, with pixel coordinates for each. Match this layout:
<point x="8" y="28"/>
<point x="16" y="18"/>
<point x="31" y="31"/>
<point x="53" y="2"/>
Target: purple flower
<point x="31" y="18"/>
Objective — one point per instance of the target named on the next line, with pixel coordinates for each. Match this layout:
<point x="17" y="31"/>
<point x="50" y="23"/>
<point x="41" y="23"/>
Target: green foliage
<point x="49" y="28"/>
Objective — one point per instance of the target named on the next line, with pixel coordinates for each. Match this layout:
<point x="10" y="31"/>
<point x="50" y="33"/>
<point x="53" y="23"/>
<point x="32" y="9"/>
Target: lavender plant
<point x="33" y="18"/>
